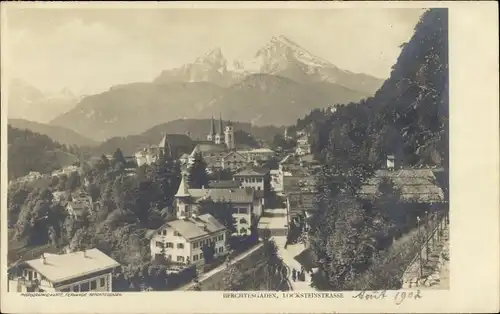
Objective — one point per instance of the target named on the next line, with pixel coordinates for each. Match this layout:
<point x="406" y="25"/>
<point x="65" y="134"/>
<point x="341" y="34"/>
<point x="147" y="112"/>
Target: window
<point x="159" y="232"/>
<point x="35" y="275"/>
<point x="102" y="282"/>
<point x="159" y="244"/>
<point x="164" y="231"/>
<point x="180" y="258"/>
<point x="243" y="231"/>
<point x="76" y="288"/>
<point x="169" y="245"/>
<point x="84" y="287"/>
<point x="180" y="245"/>
<point x="93" y="284"/>
<point x="243" y="211"/>
<point x="258" y="188"/>
<point x="177" y="234"/>
<point x="195" y="258"/>
<point x="243" y="221"/>
<point x="195" y="245"/>
<point x="221" y="249"/>
<point x="201" y="255"/>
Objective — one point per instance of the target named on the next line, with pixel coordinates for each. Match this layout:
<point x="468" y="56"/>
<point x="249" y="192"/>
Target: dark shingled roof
<point x="176" y="139"/>
<point x="416" y="185"/>
<point x="232" y="195"/>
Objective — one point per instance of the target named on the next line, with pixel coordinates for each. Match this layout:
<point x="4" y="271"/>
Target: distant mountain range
<point x="283" y="82"/>
<point x="197" y="129"/>
<point x="25" y="101"/>
<point x="59" y="134"/>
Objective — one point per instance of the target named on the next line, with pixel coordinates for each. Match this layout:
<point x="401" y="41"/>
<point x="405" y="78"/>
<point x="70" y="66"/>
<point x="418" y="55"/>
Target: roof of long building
<point x="62" y="267"/>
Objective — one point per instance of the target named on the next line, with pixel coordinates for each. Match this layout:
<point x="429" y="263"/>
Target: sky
<point x="89" y="50"/>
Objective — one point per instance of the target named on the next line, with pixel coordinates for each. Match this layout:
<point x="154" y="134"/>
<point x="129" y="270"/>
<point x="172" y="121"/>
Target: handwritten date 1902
<point x="380" y="295"/>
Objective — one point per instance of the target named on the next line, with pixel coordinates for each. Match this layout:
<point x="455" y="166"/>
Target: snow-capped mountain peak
<point x="280" y="56"/>
<point x="213" y="59"/>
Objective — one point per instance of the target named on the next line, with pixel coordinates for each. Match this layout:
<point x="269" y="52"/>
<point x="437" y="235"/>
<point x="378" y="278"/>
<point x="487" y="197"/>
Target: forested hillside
<point x="409" y="114"/>
<point x="28" y="151"/>
<point x="408" y="117"/>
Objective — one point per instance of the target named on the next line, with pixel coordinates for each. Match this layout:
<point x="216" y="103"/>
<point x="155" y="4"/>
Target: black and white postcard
<point x="243" y="157"/>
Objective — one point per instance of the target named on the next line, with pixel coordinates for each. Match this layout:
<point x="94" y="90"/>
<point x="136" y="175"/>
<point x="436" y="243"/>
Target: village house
<point x="89" y="270"/>
<point x="182" y="241"/>
<point x="211" y="153"/>
<point x="417" y="189"/>
<point x="303" y="146"/>
<point x="415" y="185"/>
<point x="242" y="202"/>
<point x="234" y="161"/>
<point x="255" y="178"/>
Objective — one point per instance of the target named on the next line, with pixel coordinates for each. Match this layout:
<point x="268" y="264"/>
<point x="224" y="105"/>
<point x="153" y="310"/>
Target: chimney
<point x="390" y="162"/>
<point x="42" y="258"/>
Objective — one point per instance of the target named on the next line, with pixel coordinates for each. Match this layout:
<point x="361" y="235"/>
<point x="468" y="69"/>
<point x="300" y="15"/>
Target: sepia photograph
<point x="221" y="149"/>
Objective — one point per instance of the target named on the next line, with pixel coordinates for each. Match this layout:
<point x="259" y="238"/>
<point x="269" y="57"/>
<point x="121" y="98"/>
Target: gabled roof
<point x="191" y="228"/>
<point x="235" y="153"/>
<point x="62" y="267"/>
<point x="416" y="185"/>
<point x="232" y="195"/>
<point x="252" y="172"/>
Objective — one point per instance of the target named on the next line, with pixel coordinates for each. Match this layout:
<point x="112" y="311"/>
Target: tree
<point x="118" y="157"/>
<point x="17" y="196"/>
<point x="73" y="182"/>
<point x="232" y="275"/>
<point x="220" y="211"/>
<point x="245" y="138"/>
<point x="103" y="164"/>
<point x="197" y="172"/>
<point x="271" y="267"/>
<point x="208" y="250"/>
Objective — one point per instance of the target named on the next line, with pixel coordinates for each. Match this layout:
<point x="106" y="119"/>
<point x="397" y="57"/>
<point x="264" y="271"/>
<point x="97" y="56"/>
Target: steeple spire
<point x="221" y="128"/>
<point x="212" y="126"/>
<point x="183" y="190"/>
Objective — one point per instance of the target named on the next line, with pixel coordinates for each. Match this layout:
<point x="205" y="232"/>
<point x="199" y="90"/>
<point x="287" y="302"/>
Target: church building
<point x="224" y="135"/>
